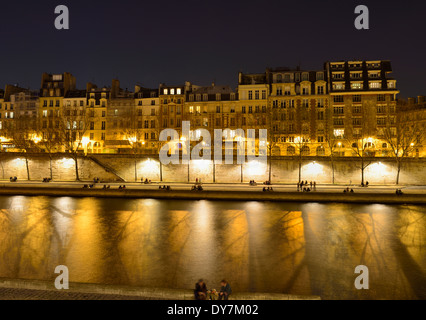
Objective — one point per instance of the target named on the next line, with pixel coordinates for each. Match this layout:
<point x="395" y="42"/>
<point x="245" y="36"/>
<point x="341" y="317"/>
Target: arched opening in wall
<point x="279" y="78"/>
<point x="320" y="151"/>
<point x="291" y="151"/>
<point x="305" y="151"/>
<point x="276" y="151"/>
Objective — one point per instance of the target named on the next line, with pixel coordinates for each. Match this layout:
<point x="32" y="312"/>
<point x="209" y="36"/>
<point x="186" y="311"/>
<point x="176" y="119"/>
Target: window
<point x="381" y="97"/>
<point x="356" y="109"/>
<point x="338" y="122"/>
<point x="263" y="94"/>
<point x="191" y="109"/>
<point x="339" y="86"/>
<point x="320" y="75"/>
<point x="356" y="121"/>
<point x="320" y="139"/>
<point x="339" y="133"/>
<point x="356" y="85"/>
<point x="381" y="109"/>
<point x="338" y="98"/>
<point x="250" y="95"/>
<point x="381" y="121"/>
<point x="320" y="90"/>
<point x="256" y="94"/>
<point x="339" y="75"/>
<point x="178" y="91"/>
<point x="338" y="110"/>
<point x="375" y="85"/>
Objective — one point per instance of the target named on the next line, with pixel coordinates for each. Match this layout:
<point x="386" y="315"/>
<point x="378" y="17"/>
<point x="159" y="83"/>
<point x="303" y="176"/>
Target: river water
<point x="297" y="248"/>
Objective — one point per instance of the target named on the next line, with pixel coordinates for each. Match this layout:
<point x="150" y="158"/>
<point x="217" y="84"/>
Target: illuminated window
<point x="356" y="85"/>
<point x="172" y="91"/>
<point x="339" y="133"/>
<point x="178" y="91"/>
<point x="375" y="85"/>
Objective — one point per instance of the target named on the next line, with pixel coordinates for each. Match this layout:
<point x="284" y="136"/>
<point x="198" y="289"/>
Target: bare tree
<point x="132" y="132"/>
<point x="72" y="129"/>
<point x="49" y="143"/>
<point x="404" y="138"/>
<point x="22" y="133"/>
<point x="301" y="148"/>
<point x="332" y="143"/>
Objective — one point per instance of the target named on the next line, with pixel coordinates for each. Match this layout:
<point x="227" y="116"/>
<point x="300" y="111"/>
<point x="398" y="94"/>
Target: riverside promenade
<point x="235" y="192"/>
<point x="20" y="289"/>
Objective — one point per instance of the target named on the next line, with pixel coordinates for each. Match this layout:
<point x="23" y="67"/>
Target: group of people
<point x="96" y="180"/>
<point x="198" y="180"/>
<point x="197" y="187"/>
<point x="253" y="183"/>
<point x="120" y="187"/>
<point x="364" y="185"/>
<point x="146" y="181"/>
<point x="305" y="186"/>
<point x="13" y="179"/>
<point x="398" y="192"/>
<point x="106" y="186"/>
<point x="47" y="179"/>
<point x="164" y="187"/>
<point x="88" y="186"/>
<point x="201" y="292"/>
<point x="348" y="191"/>
<point x="267" y="189"/>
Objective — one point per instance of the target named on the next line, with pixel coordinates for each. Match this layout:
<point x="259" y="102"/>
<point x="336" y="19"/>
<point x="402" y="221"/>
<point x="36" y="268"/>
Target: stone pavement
<point x="29" y="294"/>
<point x="23" y="289"/>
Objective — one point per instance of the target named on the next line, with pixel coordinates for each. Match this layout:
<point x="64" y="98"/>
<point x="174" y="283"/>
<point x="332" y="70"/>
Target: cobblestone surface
<point x="30" y="294"/>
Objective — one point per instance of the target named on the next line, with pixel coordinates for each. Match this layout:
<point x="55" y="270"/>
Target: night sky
<point x="150" y="42"/>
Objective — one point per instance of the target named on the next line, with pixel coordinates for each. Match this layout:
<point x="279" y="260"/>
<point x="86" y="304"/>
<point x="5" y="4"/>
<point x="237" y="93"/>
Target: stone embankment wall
<point x="284" y="169"/>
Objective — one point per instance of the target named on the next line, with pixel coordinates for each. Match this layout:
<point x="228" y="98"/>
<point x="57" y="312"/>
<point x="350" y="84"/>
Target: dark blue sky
<point x="202" y="41"/>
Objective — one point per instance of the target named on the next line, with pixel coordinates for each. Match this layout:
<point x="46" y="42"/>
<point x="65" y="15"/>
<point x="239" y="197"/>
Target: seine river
<point x="298" y="248"/>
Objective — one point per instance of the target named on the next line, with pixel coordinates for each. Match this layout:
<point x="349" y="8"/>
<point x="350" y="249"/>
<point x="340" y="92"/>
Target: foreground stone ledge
<point x="383" y="198"/>
<point x="143" y="292"/>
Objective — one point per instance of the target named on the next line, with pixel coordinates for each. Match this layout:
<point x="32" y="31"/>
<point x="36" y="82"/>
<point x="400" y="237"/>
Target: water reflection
<point x="271" y="247"/>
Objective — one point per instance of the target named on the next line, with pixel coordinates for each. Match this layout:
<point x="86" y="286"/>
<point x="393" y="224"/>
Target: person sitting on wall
<point x="352" y="190"/>
<point x="344" y="190"/>
<point x="200" y="188"/>
<point x="366" y="184"/>
<point x="146" y="181"/>
<point x="225" y="290"/>
<point x="200" y="291"/>
<point x="264" y="189"/>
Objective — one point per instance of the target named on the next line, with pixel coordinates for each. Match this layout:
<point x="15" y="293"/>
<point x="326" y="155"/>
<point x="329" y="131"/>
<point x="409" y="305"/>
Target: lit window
<point x="172" y="91"/>
<point x="178" y="91"/>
